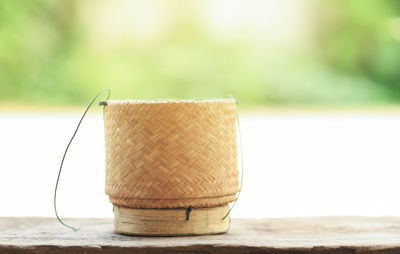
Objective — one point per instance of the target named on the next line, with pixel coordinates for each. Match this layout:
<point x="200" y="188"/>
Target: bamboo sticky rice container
<point x="171" y="166"/>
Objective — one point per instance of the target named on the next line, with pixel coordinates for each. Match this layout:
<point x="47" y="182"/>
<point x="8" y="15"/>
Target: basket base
<point x="171" y="222"/>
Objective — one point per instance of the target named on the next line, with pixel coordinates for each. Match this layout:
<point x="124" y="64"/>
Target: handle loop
<point x="241" y="160"/>
<point x="65" y="153"/>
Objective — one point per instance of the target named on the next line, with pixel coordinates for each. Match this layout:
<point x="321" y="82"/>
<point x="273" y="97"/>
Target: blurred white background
<point x="295" y="164"/>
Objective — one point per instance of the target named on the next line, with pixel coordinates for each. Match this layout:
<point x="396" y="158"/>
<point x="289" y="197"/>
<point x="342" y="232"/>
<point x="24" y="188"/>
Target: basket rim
<point x="169" y="100"/>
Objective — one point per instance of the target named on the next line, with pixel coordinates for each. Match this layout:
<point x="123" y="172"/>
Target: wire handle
<point x="241" y="161"/>
<point x="65" y="153"/>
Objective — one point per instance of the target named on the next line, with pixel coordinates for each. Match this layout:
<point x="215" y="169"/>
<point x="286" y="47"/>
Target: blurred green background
<point x="296" y="52"/>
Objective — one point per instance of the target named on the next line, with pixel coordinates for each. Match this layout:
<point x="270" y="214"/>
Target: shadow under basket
<point x="171" y="166"/>
<point x="171" y="222"/>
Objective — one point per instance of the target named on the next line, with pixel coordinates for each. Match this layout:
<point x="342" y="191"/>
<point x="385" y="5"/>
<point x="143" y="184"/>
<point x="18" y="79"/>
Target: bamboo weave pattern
<point x="171" y="153"/>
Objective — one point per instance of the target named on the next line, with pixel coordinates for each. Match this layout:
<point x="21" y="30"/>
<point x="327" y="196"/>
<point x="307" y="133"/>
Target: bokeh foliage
<point x="50" y="53"/>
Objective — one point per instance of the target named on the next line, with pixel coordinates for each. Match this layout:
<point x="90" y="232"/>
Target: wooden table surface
<point x="278" y="235"/>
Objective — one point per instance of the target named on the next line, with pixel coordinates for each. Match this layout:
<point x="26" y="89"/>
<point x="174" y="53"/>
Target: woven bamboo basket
<point x="171" y="166"/>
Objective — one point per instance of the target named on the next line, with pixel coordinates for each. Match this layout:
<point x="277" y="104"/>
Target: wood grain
<point x="283" y="235"/>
